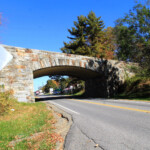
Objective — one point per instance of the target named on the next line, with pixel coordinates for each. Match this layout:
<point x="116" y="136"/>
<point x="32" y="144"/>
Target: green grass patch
<point x="23" y="145"/>
<point x="22" y="120"/>
<point x="80" y="93"/>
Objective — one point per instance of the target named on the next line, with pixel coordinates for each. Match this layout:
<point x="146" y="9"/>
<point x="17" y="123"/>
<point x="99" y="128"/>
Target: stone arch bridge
<point x="102" y="77"/>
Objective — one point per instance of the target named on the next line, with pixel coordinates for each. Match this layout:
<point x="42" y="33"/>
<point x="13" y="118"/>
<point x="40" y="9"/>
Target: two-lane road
<point x="106" y="124"/>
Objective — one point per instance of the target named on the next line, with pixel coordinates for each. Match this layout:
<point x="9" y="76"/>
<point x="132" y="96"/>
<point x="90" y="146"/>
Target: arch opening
<point x="59" y="85"/>
<point x="103" y="82"/>
<point x="81" y="73"/>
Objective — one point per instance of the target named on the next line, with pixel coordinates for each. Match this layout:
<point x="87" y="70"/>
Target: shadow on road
<point x="53" y="97"/>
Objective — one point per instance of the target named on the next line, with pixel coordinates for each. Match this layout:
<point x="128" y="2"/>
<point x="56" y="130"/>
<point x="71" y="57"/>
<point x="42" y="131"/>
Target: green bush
<point x="135" y="87"/>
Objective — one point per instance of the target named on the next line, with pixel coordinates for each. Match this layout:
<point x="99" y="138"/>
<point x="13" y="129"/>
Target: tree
<point x="126" y="38"/>
<point x="50" y="84"/>
<point x="108" y="44"/>
<point x="133" y="36"/>
<point x="94" y="33"/>
<point x="78" y="38"/>
<point x="61" y="81"/>
<point x="85" y="36"/>
<point x="66" y="82"/>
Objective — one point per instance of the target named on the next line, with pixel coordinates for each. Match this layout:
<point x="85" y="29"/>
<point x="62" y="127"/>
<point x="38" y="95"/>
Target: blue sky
<point x="43" y="24"/>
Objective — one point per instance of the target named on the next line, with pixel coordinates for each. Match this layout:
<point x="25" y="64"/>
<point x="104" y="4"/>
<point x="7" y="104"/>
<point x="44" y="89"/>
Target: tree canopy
<point x="50" y="84"/>
<point x="89" y="38"/>
<point x="133" y="36"/>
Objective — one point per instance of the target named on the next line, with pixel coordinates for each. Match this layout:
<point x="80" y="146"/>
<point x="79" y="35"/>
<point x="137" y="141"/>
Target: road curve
<point x="106" y="124"/>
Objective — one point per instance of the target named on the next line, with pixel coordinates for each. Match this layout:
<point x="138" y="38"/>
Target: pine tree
<point x="95" y="33"/>
<point x="86" y="36"/>
<point x="77" y="45"/>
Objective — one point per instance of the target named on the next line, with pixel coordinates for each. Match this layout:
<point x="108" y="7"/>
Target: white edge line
<point x="65" y="108"/>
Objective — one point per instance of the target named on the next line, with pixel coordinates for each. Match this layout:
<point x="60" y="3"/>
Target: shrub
<point x="136" y="87"/>
<point x="6" y="102"/>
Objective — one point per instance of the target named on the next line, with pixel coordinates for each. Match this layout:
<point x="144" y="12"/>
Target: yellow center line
<point x="108" y="105"/>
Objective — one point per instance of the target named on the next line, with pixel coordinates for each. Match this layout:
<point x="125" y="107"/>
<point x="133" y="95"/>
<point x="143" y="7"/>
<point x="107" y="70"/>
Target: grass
<point x="130" y="98"/>
<point x="136" y="88"/>
<point x="21" y="121"/>
<point x="80" y="93"/>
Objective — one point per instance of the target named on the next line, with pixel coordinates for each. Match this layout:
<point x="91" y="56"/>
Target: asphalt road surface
<point x="102" y="124"/>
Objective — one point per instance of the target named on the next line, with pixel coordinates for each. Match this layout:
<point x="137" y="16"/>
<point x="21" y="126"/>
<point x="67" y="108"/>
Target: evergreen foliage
<point x="78" y="38"/>
<point x="94" y="33"/>
<point x="88" y="37"/>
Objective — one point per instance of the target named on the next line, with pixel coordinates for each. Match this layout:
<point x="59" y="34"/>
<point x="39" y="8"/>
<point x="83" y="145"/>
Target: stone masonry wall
<point x="18" y="74"/>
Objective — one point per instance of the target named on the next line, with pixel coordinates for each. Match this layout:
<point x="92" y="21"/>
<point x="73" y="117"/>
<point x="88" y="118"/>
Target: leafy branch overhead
<point x="133" y="36"/>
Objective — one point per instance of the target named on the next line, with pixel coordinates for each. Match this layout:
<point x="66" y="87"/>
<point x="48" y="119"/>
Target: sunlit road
<point x="106" y="124"/>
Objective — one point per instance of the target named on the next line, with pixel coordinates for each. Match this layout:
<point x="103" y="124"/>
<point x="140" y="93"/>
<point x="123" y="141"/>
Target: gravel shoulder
<point x="74" y="137"/>
<point x="62" y="125"/>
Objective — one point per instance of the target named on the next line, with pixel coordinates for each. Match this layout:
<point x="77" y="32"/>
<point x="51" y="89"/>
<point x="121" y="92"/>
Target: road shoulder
<point x="62" y="125"/>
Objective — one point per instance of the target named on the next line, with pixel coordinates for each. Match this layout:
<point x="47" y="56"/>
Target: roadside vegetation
<point x="136" y="88"/>
<point x="133" y="39"/>
<point x="128" y="41"/>
<point x="80" y="93"/>
<point x="63" y="85"/>
<point x="26" y="125"/>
